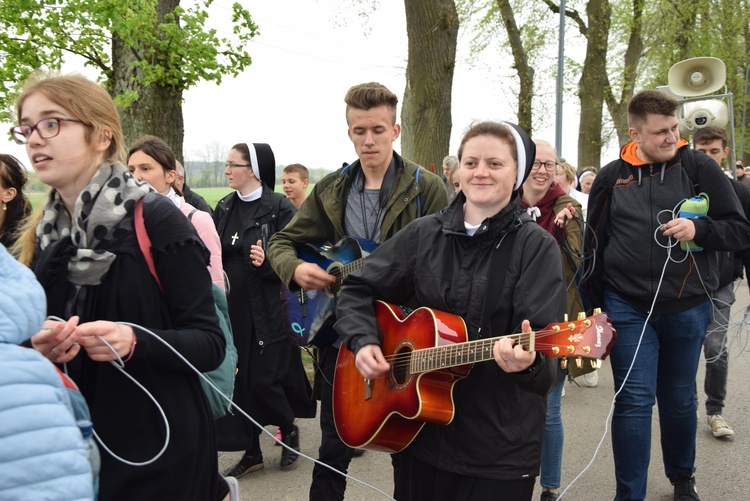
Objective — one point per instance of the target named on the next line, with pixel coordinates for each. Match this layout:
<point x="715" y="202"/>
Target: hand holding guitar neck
<point x="510" y="355"/>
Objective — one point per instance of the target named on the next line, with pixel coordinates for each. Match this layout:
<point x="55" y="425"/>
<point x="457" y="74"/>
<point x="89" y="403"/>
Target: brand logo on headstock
<point x="575" y="338"/>
<point x="599" y="330"/>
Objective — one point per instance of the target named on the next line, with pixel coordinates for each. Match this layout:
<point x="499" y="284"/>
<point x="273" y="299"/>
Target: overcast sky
<point x="308" y="53"/>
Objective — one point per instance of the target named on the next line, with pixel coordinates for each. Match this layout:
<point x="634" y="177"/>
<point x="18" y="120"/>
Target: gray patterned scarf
<point x="97" y="220"/>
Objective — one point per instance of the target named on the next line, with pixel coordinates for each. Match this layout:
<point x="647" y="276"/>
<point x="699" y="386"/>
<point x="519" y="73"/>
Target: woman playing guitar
<point x="478" y="260"/>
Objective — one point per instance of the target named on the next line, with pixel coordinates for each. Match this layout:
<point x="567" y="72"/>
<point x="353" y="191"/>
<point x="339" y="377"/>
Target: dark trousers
<point x="418" y="481"/>
<point x="328" y="485"/>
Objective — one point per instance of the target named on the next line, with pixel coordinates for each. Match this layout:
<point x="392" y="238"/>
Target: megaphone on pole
<point x="697" y="76"/>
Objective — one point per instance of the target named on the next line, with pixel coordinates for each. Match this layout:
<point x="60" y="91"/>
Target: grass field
<point x="212" y="195"/>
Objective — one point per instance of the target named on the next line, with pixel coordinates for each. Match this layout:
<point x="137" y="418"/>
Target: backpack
<point x="223" y="376"/>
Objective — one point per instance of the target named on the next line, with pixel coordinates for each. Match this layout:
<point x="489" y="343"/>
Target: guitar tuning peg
<point x="564" y="363"/>
<point x="565" y="318"/>
<point x="579" y="362"/>
<point x="597" y="311"/>
<point x="581" y="315"/>
<point x="596" y="363"/>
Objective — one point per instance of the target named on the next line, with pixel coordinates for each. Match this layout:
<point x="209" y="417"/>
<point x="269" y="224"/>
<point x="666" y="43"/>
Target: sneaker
<point x="684" y="489"/>
<point x="718" y="426"/>
<point x="548" y="496"/>
<point x="247" y="464"/>
<point x="591" y="379"/>
<point x="234" y="488"/>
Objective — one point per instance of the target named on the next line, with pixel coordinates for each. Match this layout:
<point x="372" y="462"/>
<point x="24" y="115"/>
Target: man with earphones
<point x="656" y="293"/>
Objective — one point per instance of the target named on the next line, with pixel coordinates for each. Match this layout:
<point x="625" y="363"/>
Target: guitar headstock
<point x="587" y="337"/>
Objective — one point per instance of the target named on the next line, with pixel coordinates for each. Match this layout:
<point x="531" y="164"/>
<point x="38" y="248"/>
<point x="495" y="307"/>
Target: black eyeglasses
<point x="47" y="129"/>
<point x="232" y="165"/>
<point x="548" y="166"/>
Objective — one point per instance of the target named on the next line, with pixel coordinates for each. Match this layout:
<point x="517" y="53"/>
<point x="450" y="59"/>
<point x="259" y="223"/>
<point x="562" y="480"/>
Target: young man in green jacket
<point x="372" y="198"/>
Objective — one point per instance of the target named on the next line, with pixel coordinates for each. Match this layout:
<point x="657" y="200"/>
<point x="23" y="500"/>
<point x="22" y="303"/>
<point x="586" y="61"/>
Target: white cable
<point x="669" y="247"/>
<point x="235" y="406"/>
<point x="119" y="365"/>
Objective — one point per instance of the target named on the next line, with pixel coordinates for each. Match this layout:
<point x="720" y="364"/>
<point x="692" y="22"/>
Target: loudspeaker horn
<point x="699" y="114"/>
<point x="697" y="76"/>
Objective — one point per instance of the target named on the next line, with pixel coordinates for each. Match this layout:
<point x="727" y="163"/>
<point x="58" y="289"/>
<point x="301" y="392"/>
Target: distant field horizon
<point x="212" y="195"/>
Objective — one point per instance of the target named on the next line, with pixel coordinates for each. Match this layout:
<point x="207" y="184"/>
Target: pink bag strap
<point x="144" y="242"/>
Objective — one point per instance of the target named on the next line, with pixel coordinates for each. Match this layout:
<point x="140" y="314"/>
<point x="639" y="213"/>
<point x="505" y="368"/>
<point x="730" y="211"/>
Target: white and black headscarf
<point x="263" y="163"/>
<point x="525" y="152"/>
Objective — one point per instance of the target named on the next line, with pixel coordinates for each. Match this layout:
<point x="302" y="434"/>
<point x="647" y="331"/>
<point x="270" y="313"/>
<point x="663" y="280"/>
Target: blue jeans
<point x="664" y="369"/>
<point x="715" y="351"/>
<point x="552" y="444"/>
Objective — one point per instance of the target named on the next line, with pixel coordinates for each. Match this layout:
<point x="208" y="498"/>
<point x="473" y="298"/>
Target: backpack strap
<point x="190" y="216"/>
<point x="144" y="242"/>
<point x="419" y="200"/>
<point x="688" y="163"/>
<point x="276" y="209"/>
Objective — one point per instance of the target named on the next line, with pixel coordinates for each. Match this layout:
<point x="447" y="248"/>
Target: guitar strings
<point x="459" y="350"/>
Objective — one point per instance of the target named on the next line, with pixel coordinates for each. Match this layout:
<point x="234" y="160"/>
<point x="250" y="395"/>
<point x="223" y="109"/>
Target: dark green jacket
<point x="320" y="219"/>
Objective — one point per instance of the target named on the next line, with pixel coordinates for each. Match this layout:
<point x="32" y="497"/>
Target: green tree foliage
<point x="716" y="28"/>
<point x="147" y="52"/>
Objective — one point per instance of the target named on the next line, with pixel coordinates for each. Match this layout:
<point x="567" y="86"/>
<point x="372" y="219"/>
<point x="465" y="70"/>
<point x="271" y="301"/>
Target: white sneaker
<point x="591" y="379"/>
<point x="718" y="426"/>
<point x="234" y="488"/>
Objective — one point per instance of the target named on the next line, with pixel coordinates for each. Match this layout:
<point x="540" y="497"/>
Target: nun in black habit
<point x="271" y="385"/>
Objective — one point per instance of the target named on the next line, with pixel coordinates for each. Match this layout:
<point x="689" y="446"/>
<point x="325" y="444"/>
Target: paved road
<point x="723" y="467"/>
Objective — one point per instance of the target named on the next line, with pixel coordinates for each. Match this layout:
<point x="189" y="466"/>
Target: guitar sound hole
<point x="401" y="366"/>
<point x="333" y="290"/>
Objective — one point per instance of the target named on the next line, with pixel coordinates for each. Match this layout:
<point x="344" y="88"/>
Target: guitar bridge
<point x="368" y="388"/>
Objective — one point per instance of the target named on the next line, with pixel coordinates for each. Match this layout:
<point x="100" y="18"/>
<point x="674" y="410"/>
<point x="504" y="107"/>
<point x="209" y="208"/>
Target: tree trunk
<point x="158" y="109"/>
<point x="592" y="82"/>
<point x="618" y="110"/>
<point x="432" y="28"/>
<point x="520" y="63"/>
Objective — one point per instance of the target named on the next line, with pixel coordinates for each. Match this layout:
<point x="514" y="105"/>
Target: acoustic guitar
<point x="428" y="353"/>
<point x="306" y="314"/>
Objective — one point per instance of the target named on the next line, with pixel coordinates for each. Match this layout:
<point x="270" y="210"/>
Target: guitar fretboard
<point x="341" y="272"/>
<point x="444" y="357"/>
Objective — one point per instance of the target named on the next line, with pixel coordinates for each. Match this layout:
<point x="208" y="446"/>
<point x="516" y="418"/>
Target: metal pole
<point x="560" y="75"/>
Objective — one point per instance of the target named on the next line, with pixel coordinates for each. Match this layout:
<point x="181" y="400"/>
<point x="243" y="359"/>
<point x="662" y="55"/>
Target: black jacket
<point x="183" y="316"/>
<point x="623" y="222"/>
<point x="499" y="422"/>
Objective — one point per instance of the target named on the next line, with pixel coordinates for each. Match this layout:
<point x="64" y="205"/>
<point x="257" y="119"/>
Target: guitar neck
<point x="344" y="270"/>
<point x="452" y="355"/>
